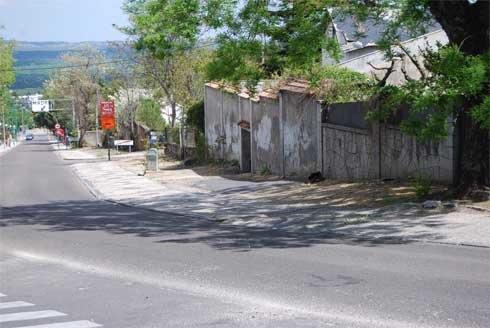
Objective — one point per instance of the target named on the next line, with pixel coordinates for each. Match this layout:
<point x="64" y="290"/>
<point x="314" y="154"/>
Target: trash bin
<point x="152" y="159"/>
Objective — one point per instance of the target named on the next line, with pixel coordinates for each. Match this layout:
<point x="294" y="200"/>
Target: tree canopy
<point x="257" y="39"/>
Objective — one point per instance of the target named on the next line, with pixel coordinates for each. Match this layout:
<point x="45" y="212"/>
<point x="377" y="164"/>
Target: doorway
<point x="246" y="158"/>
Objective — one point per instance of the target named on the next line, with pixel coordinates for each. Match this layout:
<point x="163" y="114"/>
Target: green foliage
<point x="7" y="76"/>
<point x="481" y="113"/>
<point x="453" y="79"/>
<point x="45" y="119"/>
<point x="236" y="60"/>
<point x="195" y="116"/>
<point x="200" y="146"/>
<point x="149" y="113"/>
<point x="422" y="186"/>
<point x="79" y="84"/>
<point x="163" y="27"/>
<point x="334" y="84"/>
<point x="264" y="170"/>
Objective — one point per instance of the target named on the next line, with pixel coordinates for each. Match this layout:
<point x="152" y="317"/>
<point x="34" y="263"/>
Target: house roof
<point x="368" y="32"/>
<point x="270" y="92"/>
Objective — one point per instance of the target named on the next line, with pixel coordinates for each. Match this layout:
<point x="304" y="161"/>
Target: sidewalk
<point x="4" y="149"/>
<point x="289" y="207"/>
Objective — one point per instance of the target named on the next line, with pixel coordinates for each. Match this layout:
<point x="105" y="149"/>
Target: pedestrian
<point x="8" y="139"/>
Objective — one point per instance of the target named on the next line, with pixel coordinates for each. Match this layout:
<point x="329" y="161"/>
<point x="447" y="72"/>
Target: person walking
<point x="8" y="139"/>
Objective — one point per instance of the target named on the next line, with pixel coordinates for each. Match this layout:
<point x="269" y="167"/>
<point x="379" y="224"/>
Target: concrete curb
<point x="6" y="151"/>
<point x="101" y="197"/>
<point x="478" y="208"/>
<point x="87" y="184"/>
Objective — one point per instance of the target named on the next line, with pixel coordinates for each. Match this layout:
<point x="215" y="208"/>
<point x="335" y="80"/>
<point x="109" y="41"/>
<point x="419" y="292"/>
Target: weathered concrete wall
<point x="289" y="138"/>
<point x="230" y="127"/>
<point x="402" y="156"/>
<point x="266" y="141"/>
<point x="349" y="153"/>
<point x="382" y="152"/>
<point x="300" y="133"/>
<point x="89" y="138"/>
<point x="213" y="122"/>
<point x="244" y="109"/>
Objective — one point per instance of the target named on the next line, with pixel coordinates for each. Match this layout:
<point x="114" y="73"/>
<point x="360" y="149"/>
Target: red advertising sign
<point x="107" y="115"/>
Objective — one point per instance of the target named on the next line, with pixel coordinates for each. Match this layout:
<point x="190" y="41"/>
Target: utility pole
<point x="73" y="120"/>
<point x="3" y="120"/>
<point x="97" y="119"/>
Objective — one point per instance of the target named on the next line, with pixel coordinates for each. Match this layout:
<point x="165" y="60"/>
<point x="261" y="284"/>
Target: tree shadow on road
<point x="174" y="228"/>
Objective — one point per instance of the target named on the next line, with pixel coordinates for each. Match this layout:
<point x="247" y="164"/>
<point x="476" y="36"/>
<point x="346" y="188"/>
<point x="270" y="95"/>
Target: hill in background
<point x="35" y="55"/>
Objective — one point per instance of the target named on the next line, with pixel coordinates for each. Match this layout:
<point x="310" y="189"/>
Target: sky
<point x="61" y="20"/>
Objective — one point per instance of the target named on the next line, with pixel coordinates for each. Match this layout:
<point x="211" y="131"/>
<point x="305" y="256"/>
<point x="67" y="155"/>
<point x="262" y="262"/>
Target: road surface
<point x="68" y="260"/>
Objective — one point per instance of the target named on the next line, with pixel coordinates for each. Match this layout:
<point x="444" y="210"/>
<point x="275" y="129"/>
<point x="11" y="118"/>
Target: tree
<point x="259" y="39"/>
<point x="456" y="86"/>
<point x="7" y="78"/>
<point x="127" y="82"/>
<point x="149" y="114"/>
<point x="80" y="83"/>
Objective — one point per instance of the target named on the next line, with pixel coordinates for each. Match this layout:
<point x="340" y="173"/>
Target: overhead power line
<point x="65" y="67"/>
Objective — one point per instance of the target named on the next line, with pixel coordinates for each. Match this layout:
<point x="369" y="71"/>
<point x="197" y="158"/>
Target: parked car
<point x="29" y="136"/>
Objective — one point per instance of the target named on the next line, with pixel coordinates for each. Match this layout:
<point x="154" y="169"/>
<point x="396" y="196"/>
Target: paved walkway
<point x="256" y="205"/>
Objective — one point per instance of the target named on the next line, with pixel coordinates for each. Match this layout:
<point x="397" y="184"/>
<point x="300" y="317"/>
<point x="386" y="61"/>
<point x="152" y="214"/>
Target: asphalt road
<point x="79" y="262"/>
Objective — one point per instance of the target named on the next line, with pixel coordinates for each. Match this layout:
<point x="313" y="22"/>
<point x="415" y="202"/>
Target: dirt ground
<point x="344" y="194"/>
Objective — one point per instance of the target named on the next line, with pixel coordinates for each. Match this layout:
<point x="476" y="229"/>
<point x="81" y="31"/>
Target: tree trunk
<point x="467" y="25"/>
<point x="173" y="115"/>
<point x="473" y="158"/>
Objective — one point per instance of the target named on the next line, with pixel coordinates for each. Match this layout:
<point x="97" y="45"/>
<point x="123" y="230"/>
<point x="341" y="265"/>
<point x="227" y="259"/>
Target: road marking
<point x="29" y="315"/>
<point x="71" y="324"/>
<point x="10" y="305"/>
<point x="40" y="315"/>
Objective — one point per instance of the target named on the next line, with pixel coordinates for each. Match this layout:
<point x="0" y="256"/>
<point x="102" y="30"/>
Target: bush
<point x="200" y="146"/>
<point x="264" y="170"/>
<point x="422" y="186"/>
<point x="195" y="116"/>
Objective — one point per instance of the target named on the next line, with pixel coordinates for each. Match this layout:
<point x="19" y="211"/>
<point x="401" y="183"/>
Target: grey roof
<point x="369" y="31"/>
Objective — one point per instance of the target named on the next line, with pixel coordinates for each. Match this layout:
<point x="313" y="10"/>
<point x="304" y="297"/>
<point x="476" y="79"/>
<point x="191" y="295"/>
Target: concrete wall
<point x="266" y="137"/>
<point x="402" y="156"/>
<point x="213" y="121"/>
<point x="380" y="151"/>
<point x="89" y="138"/>
<point x="300" y="133"/>
<point x="290" y="136"/>
<point x="348" y="153"/>
<point x="230" y="127"/>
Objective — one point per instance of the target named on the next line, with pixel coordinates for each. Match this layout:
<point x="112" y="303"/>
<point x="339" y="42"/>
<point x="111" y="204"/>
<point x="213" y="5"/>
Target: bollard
<point x="152" y="160"/>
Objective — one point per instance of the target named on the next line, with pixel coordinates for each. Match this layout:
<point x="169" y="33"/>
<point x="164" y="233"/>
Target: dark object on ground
<point x="188" y="162"/>
<point x="316" y="177"/>
<point x="450" y="205"/>
<point x="480" y="195"/>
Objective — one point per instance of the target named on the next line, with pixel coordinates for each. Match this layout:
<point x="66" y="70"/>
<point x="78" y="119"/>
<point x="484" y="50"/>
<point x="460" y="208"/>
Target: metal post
<point x="109" y="144"/>
<point x="3" y="121"/>
<point x="97" y="120"/>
